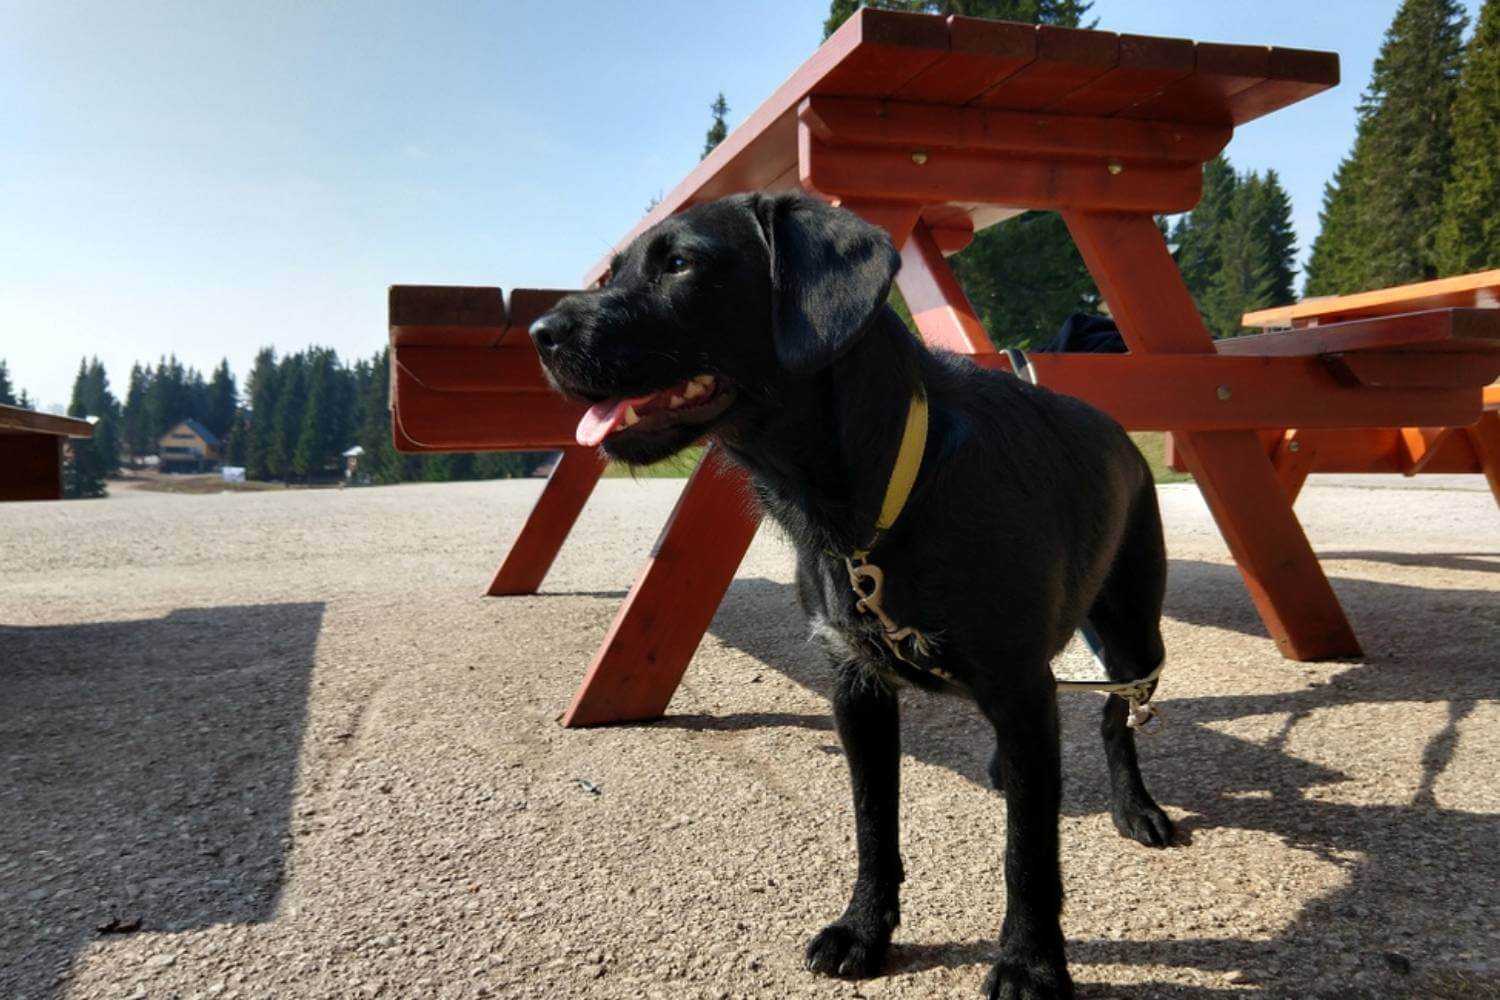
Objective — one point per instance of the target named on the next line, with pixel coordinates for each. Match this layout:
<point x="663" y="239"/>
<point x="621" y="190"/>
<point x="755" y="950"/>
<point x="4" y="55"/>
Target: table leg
<point x="549" y="522"/>
<point x="1134" y="270"/>
<point x="1485" y="437"/>
<point x="658" y="628"/>
<point x="937" y="301"/>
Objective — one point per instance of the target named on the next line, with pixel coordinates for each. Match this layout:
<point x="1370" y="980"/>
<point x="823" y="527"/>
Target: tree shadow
<point x="1397" y="897"/>
<point x="149" y="767"/>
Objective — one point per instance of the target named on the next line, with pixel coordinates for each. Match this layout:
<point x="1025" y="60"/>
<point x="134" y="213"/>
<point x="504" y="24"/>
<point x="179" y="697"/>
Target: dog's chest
<point x="856" y="637"/>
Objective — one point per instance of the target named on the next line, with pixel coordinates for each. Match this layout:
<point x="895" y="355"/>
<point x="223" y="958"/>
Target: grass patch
<point x="1153" y="444"/>
<point x="206" y="483"/>
<point x="679" y="466"/>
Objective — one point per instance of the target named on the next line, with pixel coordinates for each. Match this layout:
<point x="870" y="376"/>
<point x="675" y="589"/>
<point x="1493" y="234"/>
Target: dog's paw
<point x="1145" y="823"/>
<point x="849" y="950"/>
<point x="1016" y="978"/>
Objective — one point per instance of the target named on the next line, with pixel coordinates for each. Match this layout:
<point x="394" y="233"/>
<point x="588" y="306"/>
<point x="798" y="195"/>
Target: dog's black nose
<point x="550" y="332"/>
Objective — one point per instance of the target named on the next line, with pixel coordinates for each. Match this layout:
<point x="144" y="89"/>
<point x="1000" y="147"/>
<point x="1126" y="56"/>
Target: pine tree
<point x="84" y="471"/>
<point x="1272" y="210"/>
<point x="1244" y="278"/>
<point x="1336" y="250"/>
<point x="286" y="421"/>
<point x="318" y="442"/>
<point x="718" y="128"/>
<point x="7" y="393"/>
<point x="1382" y="212"/>
<point x="133" y="427"/>
<point x="1469" y="235"/>
<point x="223" y="399"/>
<point x="237" y="446"/>
<point x="167" y="398"/>
<point x="264" y="392"/>
<point x="1199" y="235"/>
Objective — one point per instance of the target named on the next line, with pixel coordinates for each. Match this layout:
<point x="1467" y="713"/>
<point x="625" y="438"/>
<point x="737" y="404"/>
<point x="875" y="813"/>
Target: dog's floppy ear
<point x="830" y="274"/>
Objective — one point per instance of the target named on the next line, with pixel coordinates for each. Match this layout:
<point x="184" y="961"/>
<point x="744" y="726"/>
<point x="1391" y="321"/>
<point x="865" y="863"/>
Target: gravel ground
<point x="285" y="734"/>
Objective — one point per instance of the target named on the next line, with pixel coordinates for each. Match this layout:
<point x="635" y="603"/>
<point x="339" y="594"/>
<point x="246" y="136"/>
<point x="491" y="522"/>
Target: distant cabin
<point x="189" y="447"/>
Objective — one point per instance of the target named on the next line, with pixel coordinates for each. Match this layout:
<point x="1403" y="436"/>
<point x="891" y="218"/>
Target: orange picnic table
<point x="1411" y="451"/>
<point x="933" y="127"/>
<point x="31" y="452"/>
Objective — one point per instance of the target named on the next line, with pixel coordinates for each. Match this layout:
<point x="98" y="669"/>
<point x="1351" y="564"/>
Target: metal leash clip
<point x="868" y="582"/>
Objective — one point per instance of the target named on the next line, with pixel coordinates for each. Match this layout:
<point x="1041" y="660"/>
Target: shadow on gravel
<point x="149" y="768"/>
<point x="1472" y="562"/>
<point x="1419" y="879"/>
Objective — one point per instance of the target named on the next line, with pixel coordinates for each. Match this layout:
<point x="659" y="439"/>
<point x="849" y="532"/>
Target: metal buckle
<point x="869" y="586"/>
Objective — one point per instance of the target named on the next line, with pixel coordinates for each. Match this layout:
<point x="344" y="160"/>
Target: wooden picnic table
<point x="933" y="127"/>
<point x="31" y="452"/>
<point x="1298" y="452"/>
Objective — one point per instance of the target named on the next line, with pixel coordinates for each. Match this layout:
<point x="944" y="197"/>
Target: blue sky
<point x="207" y="178"/>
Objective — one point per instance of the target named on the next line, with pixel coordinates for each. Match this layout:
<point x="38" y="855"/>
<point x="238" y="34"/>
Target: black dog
<point x="762" y="321"/>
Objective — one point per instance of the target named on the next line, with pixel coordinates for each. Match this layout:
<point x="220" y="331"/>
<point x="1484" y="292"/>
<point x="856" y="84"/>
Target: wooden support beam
<point x="1147" y="296"/>
<point x="911" y="127"/>
<point x="1209" y="392"/>
<point x="491" y="399"/>
<point x="532" y="553"/>
<point x="1485" y="438"/>
<point x="1416" y="370"/>
<point x="944" y="175"/>
<point x="942" y="312"/>
<point x="673" y="601"/>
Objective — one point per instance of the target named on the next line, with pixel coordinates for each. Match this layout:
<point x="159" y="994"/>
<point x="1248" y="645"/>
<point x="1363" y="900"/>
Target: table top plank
<point x="16" y="420"/>
<point x="886" y="51"/>
<point x="1145" y="67"/>
<point x="1296" y="74"/>
<point x="1437" y="329"/>
<point x="1219" y="73"/>
<point x="1066" y="59"/>
<point x="1480" y="290"/>
<point x="981" y="53"/>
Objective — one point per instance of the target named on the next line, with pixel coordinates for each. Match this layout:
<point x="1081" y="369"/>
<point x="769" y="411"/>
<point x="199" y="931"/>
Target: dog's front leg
<point x="1028" y="769"/>
<point x="868" y="719"/>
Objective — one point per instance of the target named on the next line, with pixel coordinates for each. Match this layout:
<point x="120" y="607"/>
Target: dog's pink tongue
<point x="602" y="418"/>
<point x="599" y="420"/>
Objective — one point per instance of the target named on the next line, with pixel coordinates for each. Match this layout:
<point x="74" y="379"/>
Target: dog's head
<point x="707" y="312"/>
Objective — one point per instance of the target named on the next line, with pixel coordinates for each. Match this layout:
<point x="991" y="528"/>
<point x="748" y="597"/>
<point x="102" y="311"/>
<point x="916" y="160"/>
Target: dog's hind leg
<point x="868" y="718"/>
<point x="1127" y="617"/>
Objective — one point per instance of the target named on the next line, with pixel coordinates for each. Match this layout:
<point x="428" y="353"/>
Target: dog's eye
<point x="676" y="264"/>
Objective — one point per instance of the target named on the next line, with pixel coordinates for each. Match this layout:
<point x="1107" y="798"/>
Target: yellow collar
<point x="904" y="474"/>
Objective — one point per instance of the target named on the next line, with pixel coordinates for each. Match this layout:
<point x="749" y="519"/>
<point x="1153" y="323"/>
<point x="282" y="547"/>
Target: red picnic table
<point x="1411" y="451"/>
<point x="933" y="127"/>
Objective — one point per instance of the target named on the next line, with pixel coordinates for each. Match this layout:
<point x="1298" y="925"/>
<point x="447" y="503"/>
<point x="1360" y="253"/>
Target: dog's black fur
<point x="1032" y="512"/>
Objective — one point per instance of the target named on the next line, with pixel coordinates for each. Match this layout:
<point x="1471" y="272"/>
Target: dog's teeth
<point x="631" y="417"/>
<point x="693" y="390"/>
<point x="674" y="402"/>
